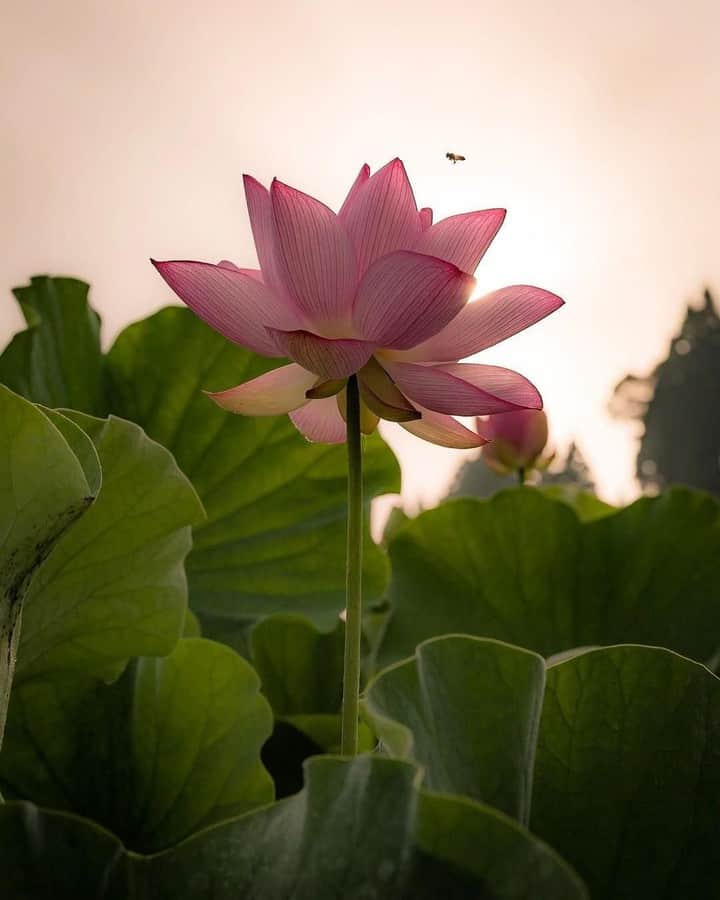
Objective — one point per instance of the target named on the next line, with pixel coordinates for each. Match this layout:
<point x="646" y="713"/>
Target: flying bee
<point x="455" y="157"/>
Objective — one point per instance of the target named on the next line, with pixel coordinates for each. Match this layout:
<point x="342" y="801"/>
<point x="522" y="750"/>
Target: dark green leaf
<point x="57" y="361"/>
<point x="627" y="780"/>
<point x="652" y="574"/>
<point x="511" y="863"/>
<point x="172" y="746"/>
<point x="48" y="855"/>
<point x="301" y="670"/>
<point x="300" y="667"/>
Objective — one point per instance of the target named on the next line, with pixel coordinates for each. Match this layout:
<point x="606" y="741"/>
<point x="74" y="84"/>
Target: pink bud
<point x="516" y="439"/>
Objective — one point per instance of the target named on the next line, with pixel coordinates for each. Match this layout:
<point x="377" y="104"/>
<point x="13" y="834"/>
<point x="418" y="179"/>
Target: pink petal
<point x="264" y="232"/>
<point x="229" y="300"/>
<point x="271" y="394"/>
<point x="406" y="297"/>
<point x="443" y="430"/>
<point x="464" y="389"/>
<point x="382" y="215"/>
<point x="317" y="261"/>
<point x="253" y="273"/>
<point x="362" y="177"/>
<point x="487" y="321"/>
<point x="320" y="421"/>
<point x="462" y="239"/>
<point x="328" y="357"/>
<point x="426" y="217"/>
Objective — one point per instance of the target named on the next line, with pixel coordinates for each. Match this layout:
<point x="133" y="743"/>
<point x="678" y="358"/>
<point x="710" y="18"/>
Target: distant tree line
<point x="678" y="406"/>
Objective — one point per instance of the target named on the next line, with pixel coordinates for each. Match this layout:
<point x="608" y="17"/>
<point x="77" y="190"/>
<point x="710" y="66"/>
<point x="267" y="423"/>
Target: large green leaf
<point x="360" y="829"/>
<point x="114" y="586"/>
<point x="274" y="539"/>
<point x="524" y="569"/>
<point x="468" y="710"/>
<point x="172" y="746"/>
<point x="57" y="361"/>
<point x="501" y="568"/>
<point x="44" y="488"/>
<point x="653" y="573"/>
<point x="627" y="769"/>
<point x="627" y="782"/>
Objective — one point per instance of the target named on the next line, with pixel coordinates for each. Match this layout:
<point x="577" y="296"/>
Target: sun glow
<point x="534" y="246"/>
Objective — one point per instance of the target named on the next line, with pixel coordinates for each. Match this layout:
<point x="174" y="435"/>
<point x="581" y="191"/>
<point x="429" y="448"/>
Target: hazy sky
<point x="126" y="127"/>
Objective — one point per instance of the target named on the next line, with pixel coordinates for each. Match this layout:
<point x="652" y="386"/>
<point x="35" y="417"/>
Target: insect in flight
<point x="455" y="157"/>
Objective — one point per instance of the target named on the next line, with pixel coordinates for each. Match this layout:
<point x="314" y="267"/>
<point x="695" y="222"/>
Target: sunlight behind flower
<point x="601" y="151"/>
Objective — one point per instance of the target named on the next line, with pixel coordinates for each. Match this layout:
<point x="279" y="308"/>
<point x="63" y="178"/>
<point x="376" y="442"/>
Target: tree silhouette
<point x="475" y="479"/>
<point x="678" y="407"/>
<point x="574" y="471"/>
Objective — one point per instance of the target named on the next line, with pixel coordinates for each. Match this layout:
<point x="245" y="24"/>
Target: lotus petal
<point x="232" y="302"/>
<point x="330" y="358"/>
<point x="464" y="389"/>
<point x="316" y="261"/>
<point x="405" y="298"/>
<point x="485" y="322"/>
<point x="382" y="215"/>
<point x="272" y="394"/>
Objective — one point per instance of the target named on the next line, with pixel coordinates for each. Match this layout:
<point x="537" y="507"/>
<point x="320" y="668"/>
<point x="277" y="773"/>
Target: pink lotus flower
<point x="375" y="290"/>
<point x="517" y="440"/>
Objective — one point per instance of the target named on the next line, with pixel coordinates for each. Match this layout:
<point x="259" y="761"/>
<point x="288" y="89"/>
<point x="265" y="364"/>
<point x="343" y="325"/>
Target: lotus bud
<point x="516" y="440"/>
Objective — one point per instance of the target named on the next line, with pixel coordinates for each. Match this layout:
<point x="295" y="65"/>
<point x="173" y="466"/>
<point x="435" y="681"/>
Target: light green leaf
<point x="468" y="711"/>
<point x="114" y="587"/>
<point x="627" y="779"/>
<point x="587" y="506"/>
<point x="81" y="446"/>
<point x="523" y="568"/>
<point x="169" y="748"/>
<point x="191" y="628"/>
<point x="57" y="361"/>
<point x="274" y="539"/>
<point x="358" y="830"/>
<point x="44" y="489"/>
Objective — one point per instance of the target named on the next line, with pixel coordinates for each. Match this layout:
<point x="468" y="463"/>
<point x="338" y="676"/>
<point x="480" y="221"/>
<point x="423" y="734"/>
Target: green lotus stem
<point x="521" y="475"/>
<point x="353" y="604"/>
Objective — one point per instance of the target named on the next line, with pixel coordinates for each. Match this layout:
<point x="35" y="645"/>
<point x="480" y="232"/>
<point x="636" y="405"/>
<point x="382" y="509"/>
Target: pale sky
<point x="126" y="127"/>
